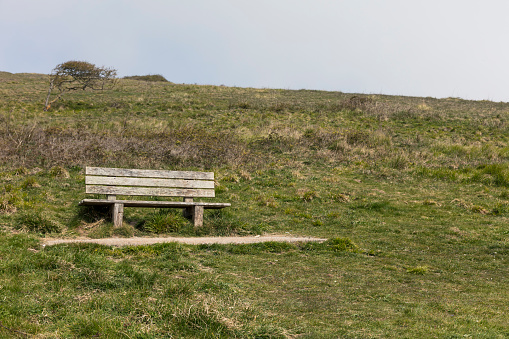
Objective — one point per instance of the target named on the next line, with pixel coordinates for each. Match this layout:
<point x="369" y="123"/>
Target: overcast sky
<point x="437" y="48"/>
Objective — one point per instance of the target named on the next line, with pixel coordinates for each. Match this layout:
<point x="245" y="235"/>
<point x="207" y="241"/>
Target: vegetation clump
<point x="78" y="75"/>
<point x="150" y="78"/>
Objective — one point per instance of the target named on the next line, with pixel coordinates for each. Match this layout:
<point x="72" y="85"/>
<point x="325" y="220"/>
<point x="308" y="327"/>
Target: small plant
<point x="231" y="178"/>
<point x="37" y="222"/>
<point x="317" y="223"/>
<point x="125" y="231"/>
<point x="20" y="171"/>
<point x="267" y="201"/>
<point x="30" y="182"/>
<point x="9" y="202"/>
<point x="307" y="195"/>
<point x="341" y="245"/>
<point x="399" y="162"/>
<point x="165" y="221"/>
<point x="340" y="197"/>
<point x="59" y="172"/>
<point x="221" y="222"/>
<point x="419" y="270"/>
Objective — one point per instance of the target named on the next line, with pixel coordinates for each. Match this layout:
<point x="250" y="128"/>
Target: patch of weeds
<point x="125" y="231"/>
<point x="306" y="194"/>
<point x="37" y="222"/>
<point x="231" y="178"/>
<point x="447" y="174"/>
<point x="30" y="182"/>
<point x="469" y="206"/>
<point x="165" y="221"/>
<point x="304" y="215"/>
<point x="179" y="289"/>
<point x="375" y="206"/>
<point x="398" y="162"/>
<point x="341" y="245"/>
<point x="101" y="230"/>
<point x="290" y="211"/>
<point x="219" y="188"/>
<point x="493" y="174"/>
<point x="430" y="202"/>
<point x="504" y="194"/>
<point x="268" y="332"/>
<point x="267" y="201"/>
<point x="87" y="327"/>
<point x="136" y="278"/>
<point x="245" y="175"/>
<point x="334" y="245"/>
<point x="340" y="197"/>
<point x="92" y="214"/>
<point x="317" y="223"/>
<point x="500" y="208"/>
<point x="9" y="203"/>
<point x="419" y="270"/>
<point x="58" y="172"/>
<point x="220" y="222"/>
<point x="256" y="248"/>
<point x="20" y="171"/>
<point x="203" y="321"/>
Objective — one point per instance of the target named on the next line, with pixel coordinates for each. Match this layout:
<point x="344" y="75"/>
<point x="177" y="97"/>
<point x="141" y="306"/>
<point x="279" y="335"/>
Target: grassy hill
<point x="413" y="193"/>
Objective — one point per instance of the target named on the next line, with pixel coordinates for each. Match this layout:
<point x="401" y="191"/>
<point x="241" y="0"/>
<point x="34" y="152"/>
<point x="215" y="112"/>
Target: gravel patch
<point x="192" y="241"/>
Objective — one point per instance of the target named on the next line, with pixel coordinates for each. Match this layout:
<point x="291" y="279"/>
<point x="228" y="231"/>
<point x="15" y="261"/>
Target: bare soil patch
<point x="135" y="241"/>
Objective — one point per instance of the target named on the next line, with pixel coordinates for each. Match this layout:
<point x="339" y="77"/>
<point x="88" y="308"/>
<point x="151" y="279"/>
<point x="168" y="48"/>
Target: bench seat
<point x="156" y="204"/>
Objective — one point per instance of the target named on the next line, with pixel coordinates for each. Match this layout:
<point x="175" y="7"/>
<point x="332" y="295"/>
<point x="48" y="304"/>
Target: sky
<point x="433" y="48"/>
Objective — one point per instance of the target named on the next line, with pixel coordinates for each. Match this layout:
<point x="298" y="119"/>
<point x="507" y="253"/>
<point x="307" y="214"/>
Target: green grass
<point x="412" y="193"/>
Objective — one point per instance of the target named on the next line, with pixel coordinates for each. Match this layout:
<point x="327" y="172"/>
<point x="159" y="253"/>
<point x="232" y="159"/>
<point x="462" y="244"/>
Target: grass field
<point x="412" y="193"/>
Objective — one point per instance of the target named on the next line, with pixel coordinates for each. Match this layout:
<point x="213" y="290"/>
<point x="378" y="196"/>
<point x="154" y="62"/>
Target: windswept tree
<point x="78" y="75"/>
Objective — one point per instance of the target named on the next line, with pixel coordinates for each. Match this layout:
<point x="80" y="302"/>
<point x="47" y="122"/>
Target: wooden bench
<point x="137" y="182"/>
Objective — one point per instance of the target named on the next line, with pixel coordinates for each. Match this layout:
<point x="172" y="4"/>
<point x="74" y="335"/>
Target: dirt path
<point x="193" y="241"/>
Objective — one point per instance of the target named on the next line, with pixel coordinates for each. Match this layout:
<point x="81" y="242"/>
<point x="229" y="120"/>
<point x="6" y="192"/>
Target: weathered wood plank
<point x="161" y="204"/>
<point x="148" y="182"/>
<point x="117" y="214"/>
<point x="151" y="191"/>
<point x="125" y="172"/>
<point x="198" y="216"/>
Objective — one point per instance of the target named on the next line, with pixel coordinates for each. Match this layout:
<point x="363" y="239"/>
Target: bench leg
<point x="117" y="211"/>
<point x="198" y="216"/>
<point x="188" y="211"/>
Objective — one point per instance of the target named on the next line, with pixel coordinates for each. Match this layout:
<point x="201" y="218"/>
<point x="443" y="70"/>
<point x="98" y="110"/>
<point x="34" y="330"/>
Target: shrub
<point x="151" y="78"/>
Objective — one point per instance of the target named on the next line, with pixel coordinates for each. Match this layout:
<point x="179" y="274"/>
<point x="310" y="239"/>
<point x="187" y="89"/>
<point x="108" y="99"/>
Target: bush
<point x="152" y="78"/>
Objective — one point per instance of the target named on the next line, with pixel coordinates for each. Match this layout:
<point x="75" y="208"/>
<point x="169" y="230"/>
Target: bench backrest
<point x="121" y="181"/>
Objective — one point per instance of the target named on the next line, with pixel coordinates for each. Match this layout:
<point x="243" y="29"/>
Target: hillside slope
<point x="413" y="193"/>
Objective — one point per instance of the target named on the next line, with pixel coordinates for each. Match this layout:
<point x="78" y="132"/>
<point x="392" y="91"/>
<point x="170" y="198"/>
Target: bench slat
<point x="124" y="172"/>
<point x="148" y="182"/>
<point x="151" y="191"/>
